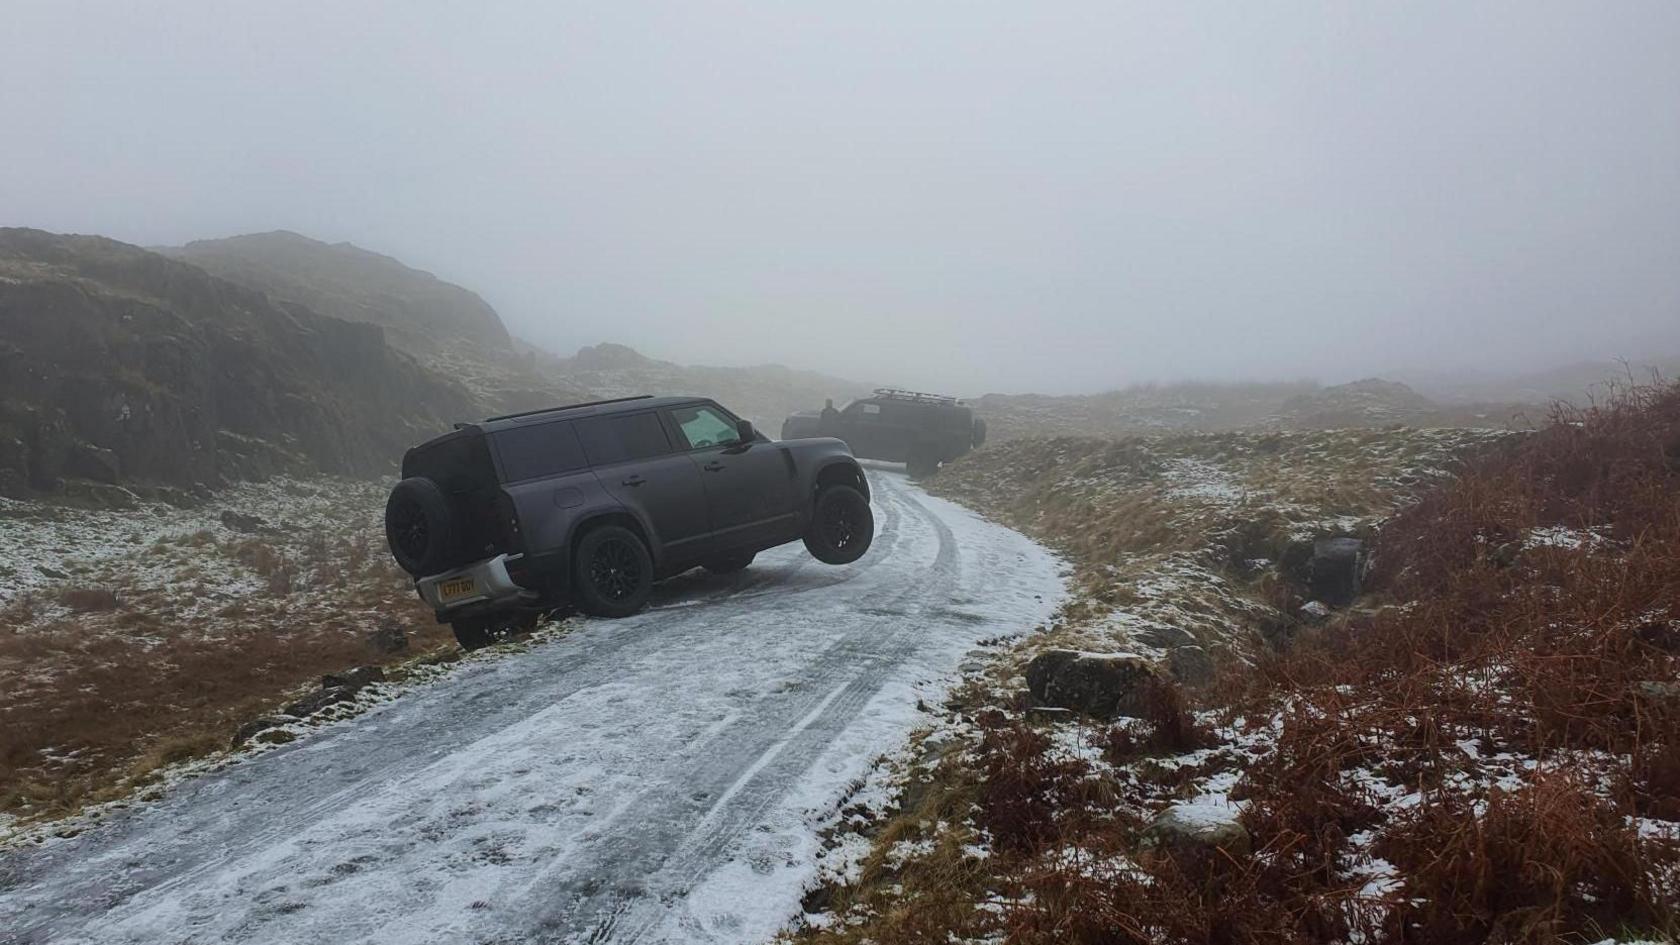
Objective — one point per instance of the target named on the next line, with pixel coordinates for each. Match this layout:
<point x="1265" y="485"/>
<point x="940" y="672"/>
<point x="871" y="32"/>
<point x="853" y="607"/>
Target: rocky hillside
<point x="123" y="365"/>
<point x="420" y="313"/>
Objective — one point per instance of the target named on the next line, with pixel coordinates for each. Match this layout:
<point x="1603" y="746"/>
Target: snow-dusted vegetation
<point x="1481" y="748"/>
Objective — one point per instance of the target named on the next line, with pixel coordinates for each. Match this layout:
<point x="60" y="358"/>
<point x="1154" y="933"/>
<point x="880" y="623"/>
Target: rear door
<point x="634" y="460"/>
<point x="749" y="486"/>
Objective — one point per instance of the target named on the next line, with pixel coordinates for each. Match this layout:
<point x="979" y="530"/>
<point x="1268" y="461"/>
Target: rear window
<point x="617" y="439"/>
<point x="543" y="449"/>
<point x="458" y="463"/>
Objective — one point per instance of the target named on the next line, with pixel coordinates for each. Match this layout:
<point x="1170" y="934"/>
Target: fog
<point x="974" y="196"/>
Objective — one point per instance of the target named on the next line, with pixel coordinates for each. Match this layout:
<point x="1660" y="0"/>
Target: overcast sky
<point x="977" y="196"/>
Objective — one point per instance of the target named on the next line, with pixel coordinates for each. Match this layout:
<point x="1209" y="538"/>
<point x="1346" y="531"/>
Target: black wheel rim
<point x="409" y="529"/>
<point x="839" y="525"/>
<point x="615" y="570"/>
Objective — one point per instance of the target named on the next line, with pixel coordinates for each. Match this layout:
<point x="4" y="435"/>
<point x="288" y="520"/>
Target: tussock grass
<point x="1491" y="753"/>
<point x="107" y="683"/>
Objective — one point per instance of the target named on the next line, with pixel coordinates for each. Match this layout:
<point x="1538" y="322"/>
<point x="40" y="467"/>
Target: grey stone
<point x="1337" y="570"/>
<point x="1313" y="612"/>
<point x="354" y="679"/>
<point x="1190" y="665"/>
<point x="389" y="639"/>
<point x="241" y="522"/>
<point x="1101" y="685"/>
<point x="256" y="727"/>
<point x="315" y="702"/>
<point x="86" y="461"/>
<point x="1660" y="691"/>
<point x="1197" y="829"/>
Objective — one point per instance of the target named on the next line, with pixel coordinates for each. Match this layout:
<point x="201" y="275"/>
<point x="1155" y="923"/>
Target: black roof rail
<point x="587" y="403"/>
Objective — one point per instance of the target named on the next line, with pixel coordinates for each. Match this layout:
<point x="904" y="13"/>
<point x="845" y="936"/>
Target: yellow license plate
<point x="456" y="588"/>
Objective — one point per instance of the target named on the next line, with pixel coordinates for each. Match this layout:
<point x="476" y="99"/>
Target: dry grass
<point x="120" y="680"/>
<point x="1495" y="739"/>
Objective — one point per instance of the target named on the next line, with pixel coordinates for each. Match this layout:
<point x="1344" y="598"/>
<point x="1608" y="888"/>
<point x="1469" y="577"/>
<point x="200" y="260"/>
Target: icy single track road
<point x="655" y="779"/>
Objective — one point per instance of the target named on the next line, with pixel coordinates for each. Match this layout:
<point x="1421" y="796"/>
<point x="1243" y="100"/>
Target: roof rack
<point x="894" y="393"/>
<point x="587" y="403"/>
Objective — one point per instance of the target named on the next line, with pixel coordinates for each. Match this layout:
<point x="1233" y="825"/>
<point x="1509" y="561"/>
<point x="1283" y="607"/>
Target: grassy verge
<point x="155" y="654"/>
<point x="1482" y="750"/>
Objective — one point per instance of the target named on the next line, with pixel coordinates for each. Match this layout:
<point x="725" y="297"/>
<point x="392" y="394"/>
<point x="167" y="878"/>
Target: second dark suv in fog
<point x="899" y="426"/>
<point x="592" y="503"/>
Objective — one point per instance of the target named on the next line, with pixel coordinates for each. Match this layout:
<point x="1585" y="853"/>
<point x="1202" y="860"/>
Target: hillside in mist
<point x="119" y="364"/>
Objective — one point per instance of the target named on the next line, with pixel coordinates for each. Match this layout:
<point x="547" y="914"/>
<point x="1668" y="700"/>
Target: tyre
<point x="612" y="573"/>
<point x="473" y="634"/>
<point x="730" y="563"/>
<point x="420" y="526"/>
<point x="842" y="526"/>
<point x="922" y="462"/>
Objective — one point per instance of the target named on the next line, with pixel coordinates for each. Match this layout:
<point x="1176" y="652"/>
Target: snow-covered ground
<point x="656" y="779"/>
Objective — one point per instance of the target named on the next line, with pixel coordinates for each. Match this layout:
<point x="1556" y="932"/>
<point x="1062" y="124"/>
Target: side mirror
<point x="745" y="432"/>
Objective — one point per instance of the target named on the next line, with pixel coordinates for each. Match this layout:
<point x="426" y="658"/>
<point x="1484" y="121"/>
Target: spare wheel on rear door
<point x="420" y="526"/>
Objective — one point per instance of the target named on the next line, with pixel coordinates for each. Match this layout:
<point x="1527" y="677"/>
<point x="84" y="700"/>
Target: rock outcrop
<point x="420" y="312"/>
<point x="118" y="364"/>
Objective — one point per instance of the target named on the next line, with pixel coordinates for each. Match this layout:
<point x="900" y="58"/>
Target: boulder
<point x="1659" y="692"/>
<point x="86" y="461"/>
<point x="1190" y="665"/>
<point x="315" y="702"/>
<point x="1313" y="613"/>
<point x="256" y="727"/>
<point x="1197" y="829"/>
<point x="354" y="679"/>
<point x="242" y="522"/>
<point x="1337" y="570"/>
<point x="388" y="639"/>
<point x="1101" y="685"/>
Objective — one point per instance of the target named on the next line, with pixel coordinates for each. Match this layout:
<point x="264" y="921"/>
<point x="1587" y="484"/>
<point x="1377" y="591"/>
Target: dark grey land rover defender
<point x="501" y="520"/>
<point x="899" y="426"/>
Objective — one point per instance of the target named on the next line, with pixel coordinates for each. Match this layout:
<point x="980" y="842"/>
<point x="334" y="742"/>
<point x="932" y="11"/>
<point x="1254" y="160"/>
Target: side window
<point x="703" y="426"/>
<point x="542" y="449"/>
<point x="616" y="439"/>
<point x="861" y="410"/>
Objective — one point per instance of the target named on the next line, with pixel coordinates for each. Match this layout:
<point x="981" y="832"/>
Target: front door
<point x="749" y="485"/>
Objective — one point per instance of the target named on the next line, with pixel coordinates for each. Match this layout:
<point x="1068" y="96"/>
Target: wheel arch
<point x="621" y="517"/>
<point x="841" y="472"/>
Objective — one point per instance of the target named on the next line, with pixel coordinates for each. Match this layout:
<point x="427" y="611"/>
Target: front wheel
<point x="842" y="526"/>
<point x="612" y="574"/>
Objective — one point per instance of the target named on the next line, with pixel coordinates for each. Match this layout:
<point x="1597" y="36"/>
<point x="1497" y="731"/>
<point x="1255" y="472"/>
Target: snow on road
<point x="655" y="779"/>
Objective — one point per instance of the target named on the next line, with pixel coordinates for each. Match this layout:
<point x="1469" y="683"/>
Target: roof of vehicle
<point x="593" y="408"/>
<point x="913" y="397"/>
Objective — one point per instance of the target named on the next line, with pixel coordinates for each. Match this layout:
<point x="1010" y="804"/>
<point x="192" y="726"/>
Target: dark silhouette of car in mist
<point x="501" y="520"/>
<point x="898" y="426"/>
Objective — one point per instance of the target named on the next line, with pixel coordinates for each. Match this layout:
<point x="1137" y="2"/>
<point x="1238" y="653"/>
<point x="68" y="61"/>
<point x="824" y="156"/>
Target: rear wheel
<point x="922" y="462"/>
<point x="842" y="526"/>
<point x="473" y="634"/>
<point x="612" y="574"/>
<point x="730" y="563"/>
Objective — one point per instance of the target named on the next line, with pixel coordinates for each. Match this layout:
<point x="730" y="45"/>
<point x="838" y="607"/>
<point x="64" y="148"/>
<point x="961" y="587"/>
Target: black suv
<point x="504" y="519"/>
<point x="899" y="426"/>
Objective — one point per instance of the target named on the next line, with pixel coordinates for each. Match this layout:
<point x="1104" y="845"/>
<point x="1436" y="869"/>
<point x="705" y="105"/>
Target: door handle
<point x="632" y="481"/>
<point x="713" y="466"/>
